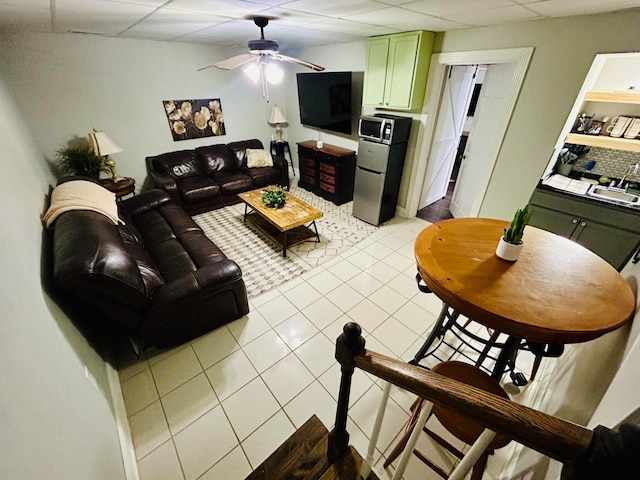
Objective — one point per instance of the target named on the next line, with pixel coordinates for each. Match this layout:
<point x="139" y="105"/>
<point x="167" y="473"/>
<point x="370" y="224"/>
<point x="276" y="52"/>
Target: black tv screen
<point x="324" y="99"/>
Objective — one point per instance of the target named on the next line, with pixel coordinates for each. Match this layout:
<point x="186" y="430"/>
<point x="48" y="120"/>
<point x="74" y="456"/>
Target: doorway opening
<point x="460" y="101"/>
<point x="429" y="181"/>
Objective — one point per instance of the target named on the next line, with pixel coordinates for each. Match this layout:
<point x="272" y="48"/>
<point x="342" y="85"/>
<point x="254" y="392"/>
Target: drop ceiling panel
<point x="513" y="13"/>
<point x="334" y="8"/>
<point x="560" y="8"/>
<point x="225" y="22"/>
<point x="443" y="8"/>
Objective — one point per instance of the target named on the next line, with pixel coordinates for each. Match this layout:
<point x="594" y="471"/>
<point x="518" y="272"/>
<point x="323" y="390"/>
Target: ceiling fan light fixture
<point x="252" y="71"/>
<point x="273" y="73"/>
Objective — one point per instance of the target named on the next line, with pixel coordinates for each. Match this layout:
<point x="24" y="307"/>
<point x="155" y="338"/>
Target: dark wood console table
<point x="329" y="172"/>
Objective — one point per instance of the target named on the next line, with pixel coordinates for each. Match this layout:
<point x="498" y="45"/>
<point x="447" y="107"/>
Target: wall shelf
<point x="613" y="97"/>
<point x="602" y="141"/>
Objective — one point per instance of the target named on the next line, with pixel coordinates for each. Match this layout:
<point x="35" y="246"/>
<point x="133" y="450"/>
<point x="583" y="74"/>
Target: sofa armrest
<point x="183" y="293"/>
<point x="143" y="203"/>
<point x="283" y="166"/>
<point x="163" y="181"/>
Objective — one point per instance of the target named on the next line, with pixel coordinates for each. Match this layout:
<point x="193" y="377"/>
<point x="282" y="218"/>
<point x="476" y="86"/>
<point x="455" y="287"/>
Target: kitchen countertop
<point x="576" y="187"/>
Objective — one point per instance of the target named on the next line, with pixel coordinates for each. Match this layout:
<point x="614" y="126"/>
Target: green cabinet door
<point x="374" y="80"/>
<point x="553" y="221"/>
<point x="609" y="231"/>
<point x="402" y="61"/>
<point x="396" y="70"/>
<point x="612" y="244"/>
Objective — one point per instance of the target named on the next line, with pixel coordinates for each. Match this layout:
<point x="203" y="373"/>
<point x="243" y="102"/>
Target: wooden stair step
<point x="347" y="468"/>
<point x="302" y="456"/>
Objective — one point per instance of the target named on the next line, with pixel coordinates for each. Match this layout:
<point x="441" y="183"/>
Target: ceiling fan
<point x="261" y="51"/>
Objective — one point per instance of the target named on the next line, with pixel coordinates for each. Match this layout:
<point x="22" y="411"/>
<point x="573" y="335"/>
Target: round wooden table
<point x="557" y="292"/>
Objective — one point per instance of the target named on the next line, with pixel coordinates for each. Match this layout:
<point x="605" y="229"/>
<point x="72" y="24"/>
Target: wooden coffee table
<point x="292" y="220"/>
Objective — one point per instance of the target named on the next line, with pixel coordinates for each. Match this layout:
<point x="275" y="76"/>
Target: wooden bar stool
<point x="462" y="427"/>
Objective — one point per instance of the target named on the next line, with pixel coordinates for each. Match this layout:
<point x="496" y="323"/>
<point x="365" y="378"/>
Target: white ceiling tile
<point x="347" y="26"/>
<point x="334" y="8"/>
<point x="98" y="16"/>
<point x="388" y="16"/>
<point x="558" y="8"/>
<point x="443" y="8"/>
<point x="501" y="14"/>
<point x="284" y="16"/>
<point x="228" y="22"/>
<point x="223" y="8"/>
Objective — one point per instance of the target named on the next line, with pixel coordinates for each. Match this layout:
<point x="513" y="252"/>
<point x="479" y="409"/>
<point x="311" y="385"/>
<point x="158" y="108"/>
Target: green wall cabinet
<point x="610" y="231"/>
<point x="396" y="70"/>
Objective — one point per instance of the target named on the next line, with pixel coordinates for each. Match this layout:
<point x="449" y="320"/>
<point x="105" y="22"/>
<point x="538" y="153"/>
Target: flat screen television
<point x="324" y="99"/>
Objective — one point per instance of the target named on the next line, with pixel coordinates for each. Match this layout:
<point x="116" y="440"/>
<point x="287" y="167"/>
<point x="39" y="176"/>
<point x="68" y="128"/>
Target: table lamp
<point x="104" y="146"/>
<point x="278" y="119"/>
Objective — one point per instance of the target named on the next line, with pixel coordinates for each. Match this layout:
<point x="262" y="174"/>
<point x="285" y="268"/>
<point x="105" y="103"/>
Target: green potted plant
<point x="275" y="197"/>
<point x="81" y="161"/>
<point x="511" y="244"/>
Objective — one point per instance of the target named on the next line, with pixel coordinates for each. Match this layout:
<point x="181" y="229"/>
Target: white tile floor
<point x="216" y="407"/>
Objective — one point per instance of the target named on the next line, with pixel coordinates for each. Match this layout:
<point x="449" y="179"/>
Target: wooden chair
<point x="460" y="426"/>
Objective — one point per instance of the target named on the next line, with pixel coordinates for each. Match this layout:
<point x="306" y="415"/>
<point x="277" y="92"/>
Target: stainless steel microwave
<point x="382" y="128"/>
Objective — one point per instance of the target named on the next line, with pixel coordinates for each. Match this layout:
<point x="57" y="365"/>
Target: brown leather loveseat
<point x="154" y="272"/>
<point x="211" y="177"/>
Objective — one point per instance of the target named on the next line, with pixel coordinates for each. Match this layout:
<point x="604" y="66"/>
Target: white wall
<point x="66" y="84"/>
<point x="54" y="423"/>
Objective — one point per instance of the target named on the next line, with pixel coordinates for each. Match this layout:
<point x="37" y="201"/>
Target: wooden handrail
<point x="549" y="435"/>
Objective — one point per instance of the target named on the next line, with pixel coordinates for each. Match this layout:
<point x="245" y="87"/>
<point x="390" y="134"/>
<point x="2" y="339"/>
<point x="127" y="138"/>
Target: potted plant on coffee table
<point x="511" y="244"/>
<point x="274" y="197"/>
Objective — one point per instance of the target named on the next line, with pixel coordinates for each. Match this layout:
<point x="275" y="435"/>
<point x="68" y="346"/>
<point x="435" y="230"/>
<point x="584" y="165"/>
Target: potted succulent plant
<point x="511" y="244"/>
<point x="81" y="161"/>
<point x="274" y="197"/>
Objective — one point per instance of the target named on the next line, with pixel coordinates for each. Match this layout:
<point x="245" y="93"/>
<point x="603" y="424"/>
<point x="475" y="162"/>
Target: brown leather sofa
<point x="157" y="275"/>
<point x="211" y="177"/>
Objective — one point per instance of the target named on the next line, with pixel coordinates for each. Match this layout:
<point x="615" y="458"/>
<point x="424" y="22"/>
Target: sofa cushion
<point x="217" y="158"/>
<point x="179" y="165"/>
<point x="176" y="242"/>
<point x="149" y="272"/>
<point x="233" y="183"/>
<point x="197" y="189"/>
<point x="240" y="149"/>
<point x="258" y="158"/>
<point x="263" y="176"/>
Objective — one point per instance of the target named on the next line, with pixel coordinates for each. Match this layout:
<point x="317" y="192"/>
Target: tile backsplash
<point x="610" y="163"/>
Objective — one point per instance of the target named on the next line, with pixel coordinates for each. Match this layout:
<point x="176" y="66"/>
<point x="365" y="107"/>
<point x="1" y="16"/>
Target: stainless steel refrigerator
<point x="378" y="173"/>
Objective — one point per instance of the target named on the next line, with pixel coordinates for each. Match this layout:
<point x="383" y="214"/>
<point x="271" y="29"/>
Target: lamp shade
<point x="277" y="116"/>
<point x="102" y="144"/>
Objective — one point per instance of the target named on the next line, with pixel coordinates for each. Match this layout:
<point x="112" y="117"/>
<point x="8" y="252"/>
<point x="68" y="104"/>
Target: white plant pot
<point x="508" y="251"/>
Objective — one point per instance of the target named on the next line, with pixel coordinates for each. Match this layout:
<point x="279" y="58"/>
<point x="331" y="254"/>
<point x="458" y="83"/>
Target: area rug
<point x="260" y="258"/>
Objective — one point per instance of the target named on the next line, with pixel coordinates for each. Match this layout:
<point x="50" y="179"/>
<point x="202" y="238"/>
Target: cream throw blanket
<point x="81" y="195"/>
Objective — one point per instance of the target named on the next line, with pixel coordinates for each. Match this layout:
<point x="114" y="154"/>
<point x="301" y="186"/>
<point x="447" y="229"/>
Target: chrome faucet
<point x="633" y="169"/>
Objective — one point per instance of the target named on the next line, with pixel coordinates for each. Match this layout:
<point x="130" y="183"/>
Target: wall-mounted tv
<point x="324" y="99"/>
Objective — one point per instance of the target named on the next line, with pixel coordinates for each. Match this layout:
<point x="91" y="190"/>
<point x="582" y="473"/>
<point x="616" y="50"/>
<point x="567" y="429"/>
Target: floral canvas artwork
<point x="194" y="118"/>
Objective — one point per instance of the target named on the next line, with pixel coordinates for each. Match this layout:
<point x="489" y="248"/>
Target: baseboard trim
<point x="122" y="423"/>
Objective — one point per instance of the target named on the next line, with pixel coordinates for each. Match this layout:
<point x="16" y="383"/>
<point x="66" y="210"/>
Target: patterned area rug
<point x="260" y="258"/>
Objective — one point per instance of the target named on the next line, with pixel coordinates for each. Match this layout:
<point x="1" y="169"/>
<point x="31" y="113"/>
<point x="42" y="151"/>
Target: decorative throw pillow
<point x="258" y="158"/>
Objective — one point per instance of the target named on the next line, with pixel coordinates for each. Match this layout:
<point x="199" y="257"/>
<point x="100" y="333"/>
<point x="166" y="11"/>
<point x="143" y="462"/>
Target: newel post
<point x="348" y="344"/>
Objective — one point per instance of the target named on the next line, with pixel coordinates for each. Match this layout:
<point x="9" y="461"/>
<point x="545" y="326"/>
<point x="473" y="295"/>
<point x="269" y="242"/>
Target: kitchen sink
<point x="614" y="195"/>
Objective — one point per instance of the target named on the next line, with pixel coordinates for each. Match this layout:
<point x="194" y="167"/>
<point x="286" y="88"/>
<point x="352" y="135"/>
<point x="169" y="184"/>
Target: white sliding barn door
<point x="451" y="116"/>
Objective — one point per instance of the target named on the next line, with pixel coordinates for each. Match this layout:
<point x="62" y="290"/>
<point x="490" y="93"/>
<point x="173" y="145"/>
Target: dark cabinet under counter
<point x="610" y="231"/>
<point x="329" y="172"/>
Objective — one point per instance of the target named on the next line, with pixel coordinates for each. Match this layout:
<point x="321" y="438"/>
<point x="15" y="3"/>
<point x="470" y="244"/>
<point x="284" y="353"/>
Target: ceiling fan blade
<point x="304" y="63"/>
<point x="232" y="62"/>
